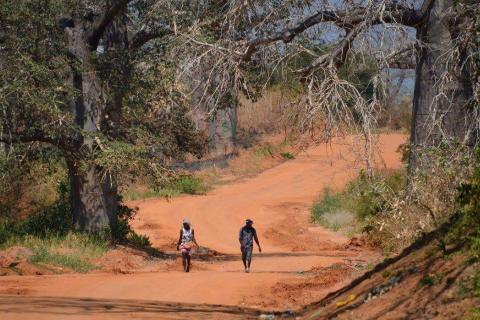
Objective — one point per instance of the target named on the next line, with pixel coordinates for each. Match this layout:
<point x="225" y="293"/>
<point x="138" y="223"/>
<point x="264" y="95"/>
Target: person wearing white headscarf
<point x="186" y="243"/>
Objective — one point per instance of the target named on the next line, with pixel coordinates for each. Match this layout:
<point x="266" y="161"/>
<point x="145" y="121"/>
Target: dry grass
<point x="267" y="114"/>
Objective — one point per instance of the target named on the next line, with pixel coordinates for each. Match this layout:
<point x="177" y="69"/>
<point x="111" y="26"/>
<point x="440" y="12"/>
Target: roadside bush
<point x="394" y="212"/>
<point x="28" y="185"/>
<point x="466" y="227"/>
<point x="191" y="185"/>
<point x="55" y="222"/>
<point x="329" y="202"/>
<point x="371" y="195"/>
<point x="359" y="203"/>
<point x="52" y="220"/>
<point x="428" y="200"/>
<point x="139" y="241"/>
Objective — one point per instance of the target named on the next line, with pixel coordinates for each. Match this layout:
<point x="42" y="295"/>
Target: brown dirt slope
<point x="420" y="283"/>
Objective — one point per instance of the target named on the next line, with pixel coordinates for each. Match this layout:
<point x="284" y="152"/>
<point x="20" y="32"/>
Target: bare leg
<point x="244" y="258"/>
<point x="188" y="263"/>
<point x="184" y="261"/>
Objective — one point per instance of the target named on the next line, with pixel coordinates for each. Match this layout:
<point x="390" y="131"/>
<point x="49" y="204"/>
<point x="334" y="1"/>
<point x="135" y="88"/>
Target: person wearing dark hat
<point x="186" y="243"/>
<point x="246" y="237"/>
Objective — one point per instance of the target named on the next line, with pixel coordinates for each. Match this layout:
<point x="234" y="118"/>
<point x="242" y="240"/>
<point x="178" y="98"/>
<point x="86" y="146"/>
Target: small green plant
<point x="427" y="280"/>
<point x="139" y="240"/>
<point x="431" y="279"/>
<point x="44" y="257"/>
<point x="287" y="155"/>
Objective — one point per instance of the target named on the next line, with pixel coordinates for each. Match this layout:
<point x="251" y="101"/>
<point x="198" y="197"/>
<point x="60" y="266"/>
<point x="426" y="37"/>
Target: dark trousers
<point x="247" y="253"/>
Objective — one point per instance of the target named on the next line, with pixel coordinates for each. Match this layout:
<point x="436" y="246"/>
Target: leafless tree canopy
<point x="436" y="38"/>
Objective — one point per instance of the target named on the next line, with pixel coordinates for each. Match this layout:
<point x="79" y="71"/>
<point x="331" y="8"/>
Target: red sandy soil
<point x="300" y="262"/>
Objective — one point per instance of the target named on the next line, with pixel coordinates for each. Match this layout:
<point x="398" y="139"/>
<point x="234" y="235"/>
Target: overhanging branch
<point x="336" y="57"/>
<point x="347" y="19"/>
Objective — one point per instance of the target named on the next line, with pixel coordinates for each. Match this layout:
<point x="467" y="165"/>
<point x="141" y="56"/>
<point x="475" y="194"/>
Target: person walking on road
<point x="246" y="237"/>
<point x="186" y="243"/>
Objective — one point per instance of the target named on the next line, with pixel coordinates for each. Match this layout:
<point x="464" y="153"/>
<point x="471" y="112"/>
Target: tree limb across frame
<point x="345" y="19"/>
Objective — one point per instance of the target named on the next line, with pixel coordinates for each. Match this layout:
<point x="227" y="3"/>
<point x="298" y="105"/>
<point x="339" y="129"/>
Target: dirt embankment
<point x="422" y="283"/>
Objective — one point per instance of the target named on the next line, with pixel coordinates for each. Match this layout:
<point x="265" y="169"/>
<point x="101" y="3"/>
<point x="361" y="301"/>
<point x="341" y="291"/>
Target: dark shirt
<point x="246" y="236"/>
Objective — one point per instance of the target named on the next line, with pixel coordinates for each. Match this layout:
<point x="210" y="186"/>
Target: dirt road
<point x="277" y="200"/>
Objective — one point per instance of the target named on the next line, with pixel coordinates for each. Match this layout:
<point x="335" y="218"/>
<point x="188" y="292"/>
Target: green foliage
<point x="369" y="192"/>
<point x="53" y="220"/>
<point x="287" y="155"/>
<point x="466" y="226"/>
<point x="329" y="202"/>
<point x="191" y="185"/>
<point x="333" y="210"/>
<point x="431" y="279"/>
<point x="427" y="280"/>
<point x="29" y="180"/>
<point x="140" y="241"/>
<point x="122" y="230"/>
<point x="361" y="200"/>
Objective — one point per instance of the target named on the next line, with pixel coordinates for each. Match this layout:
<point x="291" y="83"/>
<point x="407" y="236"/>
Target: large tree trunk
<point x="443" y="87"/>
<point x="94" y="201"/>
<point x="94" y="196"/>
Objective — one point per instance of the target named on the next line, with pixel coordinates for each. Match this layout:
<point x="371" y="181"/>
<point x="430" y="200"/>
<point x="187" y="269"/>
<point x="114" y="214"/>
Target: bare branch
<point x="347" y="20"/>
<point x="337" y="56"/>
<point x="288" y="34"/>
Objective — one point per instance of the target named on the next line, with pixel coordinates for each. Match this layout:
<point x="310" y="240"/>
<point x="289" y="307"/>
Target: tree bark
<point x="94" y="201"/>
<point x="442" y="91"/>
<point x="94" y="196"/>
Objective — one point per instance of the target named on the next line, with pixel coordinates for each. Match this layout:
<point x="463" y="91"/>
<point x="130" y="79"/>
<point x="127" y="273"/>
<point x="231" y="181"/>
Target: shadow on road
<point x="63" y="308"/>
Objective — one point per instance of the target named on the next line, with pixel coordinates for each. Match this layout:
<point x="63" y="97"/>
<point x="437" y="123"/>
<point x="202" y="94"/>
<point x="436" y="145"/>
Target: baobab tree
<point x="90" y="79"/>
